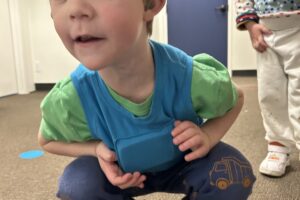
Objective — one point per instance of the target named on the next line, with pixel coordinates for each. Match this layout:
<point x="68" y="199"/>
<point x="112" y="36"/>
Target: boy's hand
<point x="188" y="135"/>
<point x="257" y="32"/>
<point x="113" y="172"/>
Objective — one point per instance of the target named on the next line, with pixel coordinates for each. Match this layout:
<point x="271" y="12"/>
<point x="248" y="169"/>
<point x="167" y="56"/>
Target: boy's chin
<point x="89" y="61"/>
<point x="92" y="66"/>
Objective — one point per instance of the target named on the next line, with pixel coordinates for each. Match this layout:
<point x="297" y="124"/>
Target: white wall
<point x="241" y="55"/>
<point x="8" y="78"/>
<point x="160" y="27"/>
<point x="21" y="36"/>
<point x="16" y="56"/>
<point x="52" y="62"/>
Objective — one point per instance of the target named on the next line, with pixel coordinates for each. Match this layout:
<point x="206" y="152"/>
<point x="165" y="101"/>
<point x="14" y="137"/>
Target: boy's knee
<point x="238" y="191"/>
<point x="224" y="190"/>
<point x="74" y="191"/>
<point x="80" y="180"/>
<point x="232" y="175"/>
<point x="234" y="189"/>
<point x="229" y="176"/>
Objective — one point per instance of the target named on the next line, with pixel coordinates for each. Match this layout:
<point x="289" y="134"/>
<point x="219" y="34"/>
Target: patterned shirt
<point x="253" y="10"/>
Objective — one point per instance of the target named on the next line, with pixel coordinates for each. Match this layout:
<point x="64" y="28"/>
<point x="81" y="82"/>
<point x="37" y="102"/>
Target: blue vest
<point x="142" y="144"/>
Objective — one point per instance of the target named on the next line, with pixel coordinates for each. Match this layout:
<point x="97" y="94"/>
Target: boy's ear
<point x="157" y="5"/>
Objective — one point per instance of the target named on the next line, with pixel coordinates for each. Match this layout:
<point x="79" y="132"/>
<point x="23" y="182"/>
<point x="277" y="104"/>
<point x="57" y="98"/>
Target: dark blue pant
<point x="223" y="174"/>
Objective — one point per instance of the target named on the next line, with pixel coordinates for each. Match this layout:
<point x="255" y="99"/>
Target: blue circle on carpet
<point x="28" y="155"/>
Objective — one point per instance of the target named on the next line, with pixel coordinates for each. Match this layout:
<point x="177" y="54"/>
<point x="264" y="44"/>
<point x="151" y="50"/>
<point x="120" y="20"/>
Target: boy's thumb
<point x="105" y="153"/>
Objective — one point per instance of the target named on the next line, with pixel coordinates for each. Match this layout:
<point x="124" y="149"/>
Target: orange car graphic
<point x="228" y="171"/>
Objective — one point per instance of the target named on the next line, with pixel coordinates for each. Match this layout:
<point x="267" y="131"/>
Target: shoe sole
<point x="270" y="173"/>
<point x="273" y="173"/>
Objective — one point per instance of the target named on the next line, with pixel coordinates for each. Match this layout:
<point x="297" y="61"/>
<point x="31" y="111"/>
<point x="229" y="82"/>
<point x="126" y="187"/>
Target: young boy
<point x="274" y="28"/>
<point x="133" y="111"/>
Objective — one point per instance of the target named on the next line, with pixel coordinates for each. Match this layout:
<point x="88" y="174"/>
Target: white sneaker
<point x="276" y="161"/>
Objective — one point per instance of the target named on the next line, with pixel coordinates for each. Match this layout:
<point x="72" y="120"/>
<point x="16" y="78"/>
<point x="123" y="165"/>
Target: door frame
<point x="24" y="73"/>
<point x="229" y="35"/>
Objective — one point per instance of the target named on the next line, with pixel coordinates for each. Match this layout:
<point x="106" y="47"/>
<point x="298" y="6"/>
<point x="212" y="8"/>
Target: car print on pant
<point x="228" y="171"/>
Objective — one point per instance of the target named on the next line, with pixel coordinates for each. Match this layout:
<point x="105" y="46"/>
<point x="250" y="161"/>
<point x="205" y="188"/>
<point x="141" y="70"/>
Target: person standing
<point x="274" y="29"/>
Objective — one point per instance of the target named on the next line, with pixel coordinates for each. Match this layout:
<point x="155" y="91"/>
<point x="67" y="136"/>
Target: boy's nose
<point x="80" y="10"/>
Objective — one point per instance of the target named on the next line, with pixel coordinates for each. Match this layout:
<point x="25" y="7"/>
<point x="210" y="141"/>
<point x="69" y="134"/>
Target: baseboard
<point x="244" y="73"/>
<point x="44" y="86"/>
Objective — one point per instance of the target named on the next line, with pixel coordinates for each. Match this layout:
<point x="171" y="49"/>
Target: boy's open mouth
<point x="86" y="38"/>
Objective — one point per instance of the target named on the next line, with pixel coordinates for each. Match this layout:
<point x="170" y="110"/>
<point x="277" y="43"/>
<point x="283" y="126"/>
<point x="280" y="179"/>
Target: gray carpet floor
<point x="37" y="179"/>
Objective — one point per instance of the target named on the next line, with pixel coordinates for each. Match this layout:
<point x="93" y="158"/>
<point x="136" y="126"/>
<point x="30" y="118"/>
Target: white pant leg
<point x="272" y="96"/>
<point x="288" y="46"/>
<point x="279" y="87"/>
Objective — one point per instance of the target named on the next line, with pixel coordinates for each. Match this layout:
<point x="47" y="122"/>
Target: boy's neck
<point x="133" y="80"/>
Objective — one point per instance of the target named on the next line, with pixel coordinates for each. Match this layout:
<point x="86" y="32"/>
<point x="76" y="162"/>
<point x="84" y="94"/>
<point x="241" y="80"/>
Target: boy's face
<point x="100" y="33"/>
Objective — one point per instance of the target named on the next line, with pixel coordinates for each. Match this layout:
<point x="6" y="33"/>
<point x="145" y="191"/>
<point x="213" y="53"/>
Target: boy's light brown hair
<point x="148" y="5"/>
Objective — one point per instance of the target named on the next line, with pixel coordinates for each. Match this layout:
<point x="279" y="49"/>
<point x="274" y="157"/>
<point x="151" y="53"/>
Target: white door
<point x="8" y="79"/>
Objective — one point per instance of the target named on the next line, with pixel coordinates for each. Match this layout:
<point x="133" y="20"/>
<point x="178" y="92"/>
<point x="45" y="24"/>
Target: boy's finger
<point x="180" y="138"/>
<point x="177" y="122"/>
<point x="190" y="143"/>
<point x="194" y="155"/>
<point x="133" y="182"/>
<point x="105" y="152"/>
<point x="120" y="180"/>
<point x="180" y="128"/>
<point x="140" y="182"/>
<point x="114" y="173"/>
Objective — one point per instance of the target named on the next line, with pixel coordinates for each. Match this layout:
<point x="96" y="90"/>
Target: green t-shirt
<point x="63" y="118"/>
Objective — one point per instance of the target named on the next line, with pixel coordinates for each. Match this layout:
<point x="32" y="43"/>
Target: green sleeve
<point x="63" y="118"/>
<point x="212" y="91"/>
